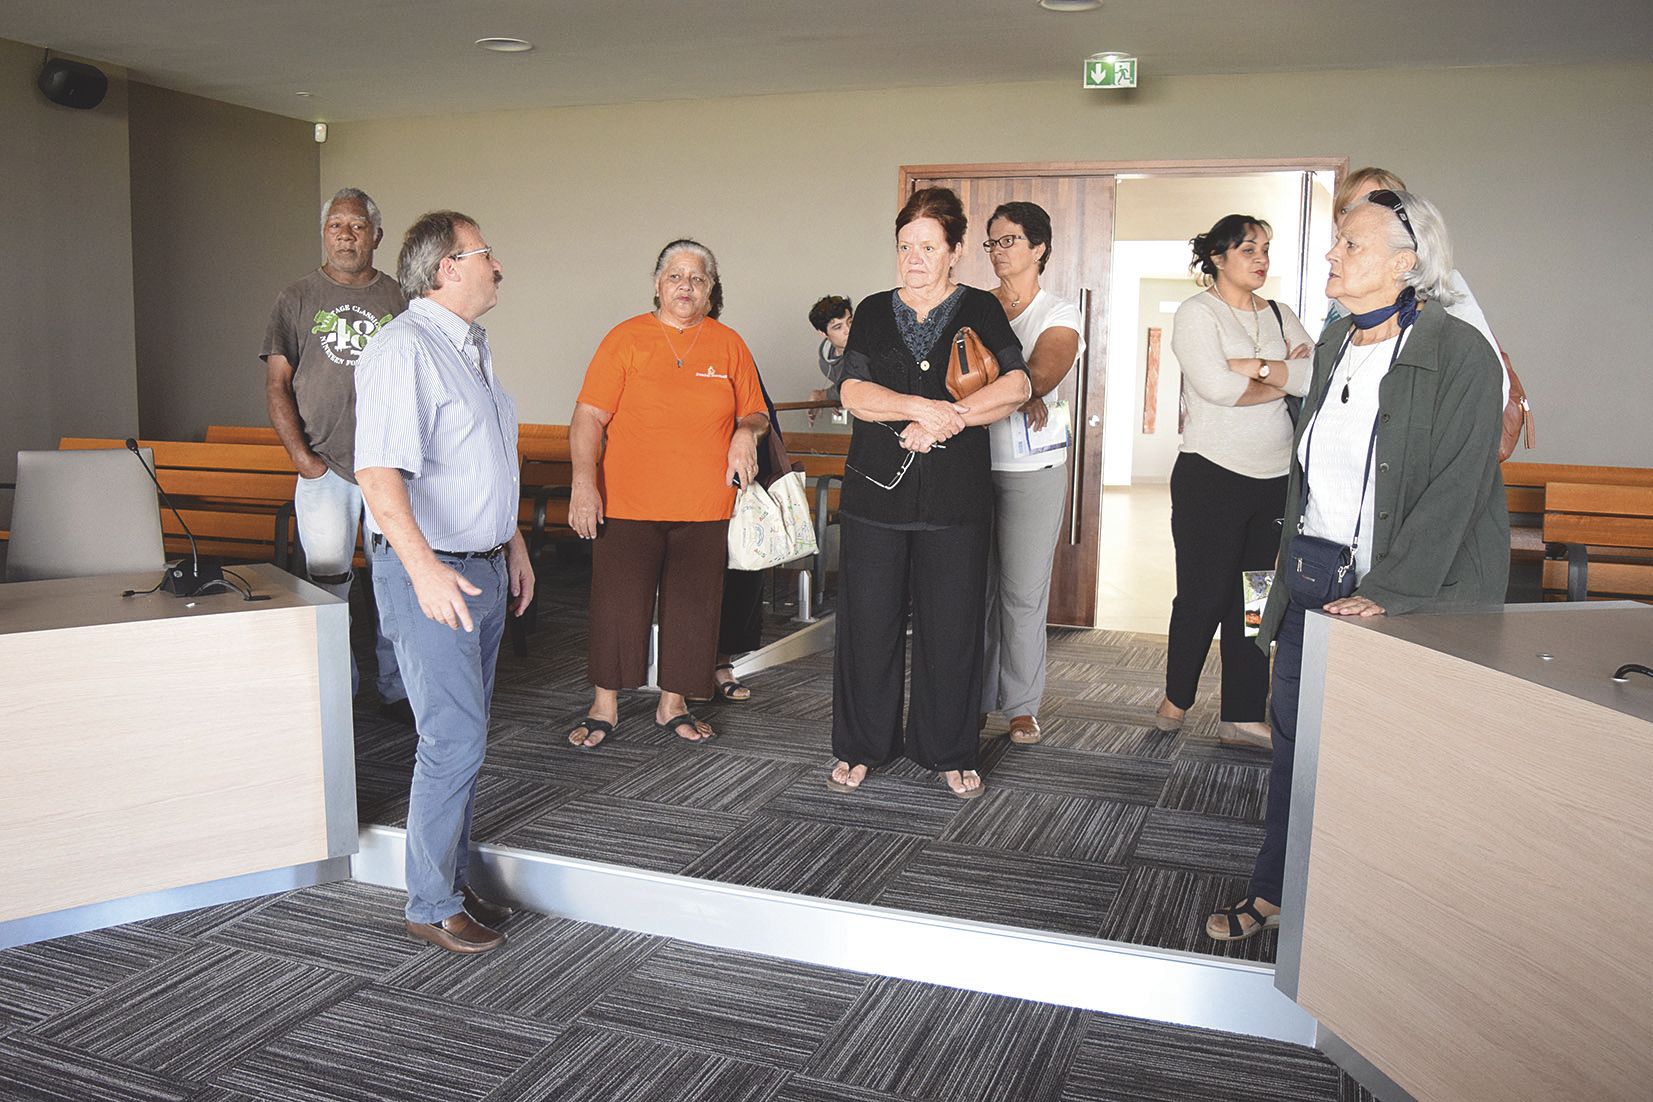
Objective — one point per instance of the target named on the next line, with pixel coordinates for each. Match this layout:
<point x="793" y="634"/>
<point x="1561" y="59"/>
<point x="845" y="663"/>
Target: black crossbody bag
<point x="1319" y="571"/>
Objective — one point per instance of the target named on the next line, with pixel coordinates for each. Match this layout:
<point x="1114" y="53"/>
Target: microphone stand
<point x="182" y="579"/>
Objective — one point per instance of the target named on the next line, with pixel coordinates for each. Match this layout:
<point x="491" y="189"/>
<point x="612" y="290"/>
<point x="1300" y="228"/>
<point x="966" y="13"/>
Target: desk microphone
<point x="181" y="580"/>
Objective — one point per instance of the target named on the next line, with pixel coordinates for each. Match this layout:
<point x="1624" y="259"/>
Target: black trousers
<point x="1222" y="524"/>
<point x="741" y="627"/>
<point x="1269" y="872"/>
<point x="944" y="575"/>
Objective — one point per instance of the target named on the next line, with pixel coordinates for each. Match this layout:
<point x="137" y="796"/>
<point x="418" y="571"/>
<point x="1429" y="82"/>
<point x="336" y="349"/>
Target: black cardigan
<point x="945" y="486"/>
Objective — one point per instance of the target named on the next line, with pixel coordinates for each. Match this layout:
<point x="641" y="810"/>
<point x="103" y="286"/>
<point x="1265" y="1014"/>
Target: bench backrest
<point x="1602" y="516"/>
<point x="1524" y="483"/>
<point x="241" y="434"/>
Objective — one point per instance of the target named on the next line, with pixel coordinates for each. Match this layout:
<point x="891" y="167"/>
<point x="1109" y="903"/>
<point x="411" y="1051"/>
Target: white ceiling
<point x="384" y="58"/>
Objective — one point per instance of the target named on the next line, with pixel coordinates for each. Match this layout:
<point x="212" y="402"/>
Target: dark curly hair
<point x="827" y="310"/>
<point x="1229" y="231"/>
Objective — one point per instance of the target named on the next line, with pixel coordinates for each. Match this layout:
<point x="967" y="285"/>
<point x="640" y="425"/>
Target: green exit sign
<point x="1110" y="72"/>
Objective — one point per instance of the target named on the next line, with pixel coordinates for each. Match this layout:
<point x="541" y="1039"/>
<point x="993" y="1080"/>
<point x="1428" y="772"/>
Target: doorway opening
<point x="1121" y="253"/>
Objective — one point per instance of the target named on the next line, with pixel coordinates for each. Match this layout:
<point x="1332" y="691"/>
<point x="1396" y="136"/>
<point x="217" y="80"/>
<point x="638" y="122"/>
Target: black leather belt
<point x="494" y="552"/>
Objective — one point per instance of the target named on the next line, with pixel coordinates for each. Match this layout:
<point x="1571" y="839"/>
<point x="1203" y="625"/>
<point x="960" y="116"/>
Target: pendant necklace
<point x="1356" y="368"/>
<point x="664" y="328"/>
<point x="1256" y="333"/>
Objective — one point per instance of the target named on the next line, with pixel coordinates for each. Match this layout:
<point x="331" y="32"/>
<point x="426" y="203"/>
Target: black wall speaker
<point x="72" y="83"/>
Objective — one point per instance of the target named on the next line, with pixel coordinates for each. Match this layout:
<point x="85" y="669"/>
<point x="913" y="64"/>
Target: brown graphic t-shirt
<point x="321" y="326"/>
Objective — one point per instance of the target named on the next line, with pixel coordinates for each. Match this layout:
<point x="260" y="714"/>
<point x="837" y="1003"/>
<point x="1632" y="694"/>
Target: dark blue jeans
<point x="1270" y="870"/>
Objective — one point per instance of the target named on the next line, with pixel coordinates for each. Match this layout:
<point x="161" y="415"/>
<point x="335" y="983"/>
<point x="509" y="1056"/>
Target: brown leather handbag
<point x="970" y="366"/>
<point x="1517" y="416"/>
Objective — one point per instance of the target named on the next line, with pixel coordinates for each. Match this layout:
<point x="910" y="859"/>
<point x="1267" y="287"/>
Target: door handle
<point x="1093" y="421"/>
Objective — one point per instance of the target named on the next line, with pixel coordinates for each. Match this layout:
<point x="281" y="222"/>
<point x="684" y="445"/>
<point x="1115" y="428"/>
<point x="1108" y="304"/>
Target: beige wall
<point x="1542" y="172"/>
<point x="66" y="358"/>
<point x="225" y="212"/>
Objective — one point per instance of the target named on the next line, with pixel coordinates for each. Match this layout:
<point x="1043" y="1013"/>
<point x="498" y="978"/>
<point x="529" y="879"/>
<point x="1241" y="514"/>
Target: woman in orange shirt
<point x="676" y="394"/>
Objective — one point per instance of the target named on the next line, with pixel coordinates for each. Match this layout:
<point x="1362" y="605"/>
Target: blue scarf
<point x="1406" y="306"/>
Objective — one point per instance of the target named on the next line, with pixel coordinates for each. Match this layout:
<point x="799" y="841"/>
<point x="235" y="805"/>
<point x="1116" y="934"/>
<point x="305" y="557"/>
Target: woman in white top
<point x="1241" y="355"/>
<point x="1029" y="470"/>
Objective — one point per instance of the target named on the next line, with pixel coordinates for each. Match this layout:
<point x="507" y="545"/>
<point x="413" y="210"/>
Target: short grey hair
<point x="431" y="237"/>
<point x="1431" y="276"/>
<point x="361" y="197"/>
<point x="686" y="245"/>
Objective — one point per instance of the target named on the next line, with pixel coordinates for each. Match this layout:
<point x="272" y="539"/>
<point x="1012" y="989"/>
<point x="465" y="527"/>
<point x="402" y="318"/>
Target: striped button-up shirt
<point x="427" y="404"/>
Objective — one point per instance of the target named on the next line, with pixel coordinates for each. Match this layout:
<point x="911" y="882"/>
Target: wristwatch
<point x="1262" y="372"/>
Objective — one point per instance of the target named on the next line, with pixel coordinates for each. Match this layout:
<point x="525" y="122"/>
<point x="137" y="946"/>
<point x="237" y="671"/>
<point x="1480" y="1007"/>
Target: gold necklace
<point x="1256" y="333"/>
<point x="664" y="328"/>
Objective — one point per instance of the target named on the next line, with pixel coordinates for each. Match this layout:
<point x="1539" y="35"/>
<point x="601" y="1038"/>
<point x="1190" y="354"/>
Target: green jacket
<point x="1441" y="531"/>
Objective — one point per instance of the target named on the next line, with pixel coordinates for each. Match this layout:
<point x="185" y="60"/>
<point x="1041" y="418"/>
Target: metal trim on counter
<point x="96" y="916"/>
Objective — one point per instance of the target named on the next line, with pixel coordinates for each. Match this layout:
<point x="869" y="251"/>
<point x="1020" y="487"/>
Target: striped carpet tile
<point x="1167" y="908"/>
<point x="900" y="805"/>
<point x="550" y="970"/>
<point x="1011" y="889"/>
<point x="1102" y="737"/>
<point x="391" y="1046"/>
<point x="802" y="1088"/>
<point x="1092" y="776"/>
<point x="1125" y="1060"/>
<point x="1203" y="843"/>
<point x="938" y="1044"/>
<point x="347" y="927"/>
<point x="701" y="777"/>
<point x="194" y="1015"/>
<point x="624" y="832"/>
<point x="816" y="859"/>
<point x="1101" y="832"/>
<point x="33" y="1070"/>
<point x="597" y="1065"/>
<point x="1218" y="788"/>
<point x="758" y="1009"/>
<point x="505" y="800"/>
<point x="546" y="756"/>
<point x="50" y="977"/>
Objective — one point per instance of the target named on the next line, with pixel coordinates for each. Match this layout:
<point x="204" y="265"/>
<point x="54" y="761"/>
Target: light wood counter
<point x="1470" y="876"/>
<point x="154" y="742"/>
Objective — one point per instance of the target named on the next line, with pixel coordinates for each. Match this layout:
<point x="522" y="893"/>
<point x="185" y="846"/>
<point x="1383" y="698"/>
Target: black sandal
<point x="728" y="689"/>
<point x="1247" y="908"/>
<point x="672" y="724"/>
<point x="593" y="726"/>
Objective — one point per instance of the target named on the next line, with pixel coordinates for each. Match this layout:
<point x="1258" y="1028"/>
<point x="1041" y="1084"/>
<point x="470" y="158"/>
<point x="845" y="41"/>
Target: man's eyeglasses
<point x="486" y="250"/>
<point x="1388" y="200"/>
<point x="1004" y="242"/>
<point x="900" y="473"/>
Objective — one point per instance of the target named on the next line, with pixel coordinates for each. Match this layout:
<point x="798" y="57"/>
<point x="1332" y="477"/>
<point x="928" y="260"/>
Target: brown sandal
<point x="1024" y="730"/>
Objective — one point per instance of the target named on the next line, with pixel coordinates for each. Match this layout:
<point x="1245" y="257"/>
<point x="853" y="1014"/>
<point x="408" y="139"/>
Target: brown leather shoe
<point x="458" y="933"/>
<point x="1025" y="730"/>
<point x="485" y="911"/>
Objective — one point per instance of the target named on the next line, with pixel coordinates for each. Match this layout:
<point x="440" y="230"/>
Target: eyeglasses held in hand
<point x="1004" y="242"/>
<point x="899" y="474"/>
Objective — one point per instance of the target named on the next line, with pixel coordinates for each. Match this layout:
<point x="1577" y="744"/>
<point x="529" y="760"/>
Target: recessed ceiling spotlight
<point x="306" y="95"/>
<point x="1070" y="5"/>
<point x="505" y="45"/>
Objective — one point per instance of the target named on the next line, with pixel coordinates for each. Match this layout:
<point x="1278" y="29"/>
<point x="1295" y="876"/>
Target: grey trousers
<point x="1027" y="519"/>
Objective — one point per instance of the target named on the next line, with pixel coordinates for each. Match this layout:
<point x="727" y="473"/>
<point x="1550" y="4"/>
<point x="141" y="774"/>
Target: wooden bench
<point x="236" y="498"/>
<point x="242" y="434"/>
<point x="1525" y="485"/>
<point x="1606" y="532"/>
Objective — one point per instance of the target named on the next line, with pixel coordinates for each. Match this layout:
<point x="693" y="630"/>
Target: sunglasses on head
<point x="1387" y="199"/>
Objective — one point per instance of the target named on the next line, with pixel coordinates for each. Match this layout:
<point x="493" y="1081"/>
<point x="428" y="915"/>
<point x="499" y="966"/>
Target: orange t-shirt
<point x="668" y="442"/>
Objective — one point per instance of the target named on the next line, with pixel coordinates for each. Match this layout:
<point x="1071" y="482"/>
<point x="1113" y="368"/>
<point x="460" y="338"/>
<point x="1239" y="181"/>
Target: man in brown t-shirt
<point x="317" y="330"/>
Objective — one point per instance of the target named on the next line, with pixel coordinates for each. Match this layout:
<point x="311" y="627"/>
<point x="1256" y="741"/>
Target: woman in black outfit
<point x="916" y="510"/>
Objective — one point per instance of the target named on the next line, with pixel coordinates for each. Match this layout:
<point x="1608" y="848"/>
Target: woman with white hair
<point x="665" y="425"/>
<point x="1395" y="501"/>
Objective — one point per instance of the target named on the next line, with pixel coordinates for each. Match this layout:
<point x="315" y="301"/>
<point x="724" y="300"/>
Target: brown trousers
<point x="633" y="561"/>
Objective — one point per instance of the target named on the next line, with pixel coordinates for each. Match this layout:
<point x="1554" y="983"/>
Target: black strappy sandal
<point x="593" y="726"/>
<point x="672" y="724"/>
<point x="1246" y="908"/>
<point x="728" y="689"/>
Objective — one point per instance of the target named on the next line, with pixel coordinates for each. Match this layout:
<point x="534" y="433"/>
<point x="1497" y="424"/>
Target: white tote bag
<point x="772" y="526"/>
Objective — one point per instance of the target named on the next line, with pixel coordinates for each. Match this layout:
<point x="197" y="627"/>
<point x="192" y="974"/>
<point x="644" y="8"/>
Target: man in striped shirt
<point x="436" y="461"/>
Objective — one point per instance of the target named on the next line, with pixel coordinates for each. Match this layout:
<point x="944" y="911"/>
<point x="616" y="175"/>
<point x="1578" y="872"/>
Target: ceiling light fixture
<point x="306" y="95"/>
<point x="505" y="45"/>
<point x="1070" y="5"/>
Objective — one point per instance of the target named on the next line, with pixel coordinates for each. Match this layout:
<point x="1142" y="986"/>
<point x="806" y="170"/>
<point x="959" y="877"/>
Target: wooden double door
<point x="1081" y="209"/>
